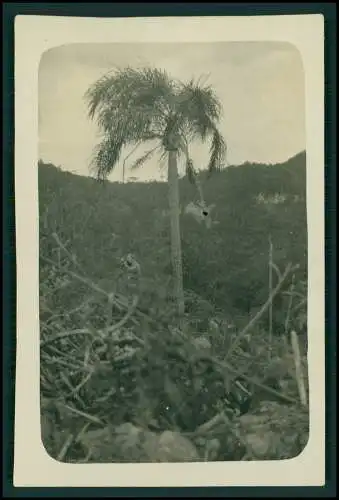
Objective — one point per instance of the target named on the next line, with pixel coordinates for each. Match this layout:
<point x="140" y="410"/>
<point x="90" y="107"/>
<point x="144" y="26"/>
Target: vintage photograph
<point x="173" y="251"/>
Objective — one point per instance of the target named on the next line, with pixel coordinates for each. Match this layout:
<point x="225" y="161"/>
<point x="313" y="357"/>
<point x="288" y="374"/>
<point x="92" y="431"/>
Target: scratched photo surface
<point x="173" y="252"/>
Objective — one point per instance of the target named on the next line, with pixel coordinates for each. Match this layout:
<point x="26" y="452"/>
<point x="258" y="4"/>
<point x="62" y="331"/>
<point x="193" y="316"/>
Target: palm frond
<point x="201" y="109"/>
<point x="142" y="159"/>
<point x="145" y="91"/>
<point x="133" y="105"/>
<point x="97" y="94"/>
<point x="218" y="151"/>
<point x="199" y="106"/>
<point x="163" y="156"/>
<point x="105" y="157"/>
<point x="149" y="87"/>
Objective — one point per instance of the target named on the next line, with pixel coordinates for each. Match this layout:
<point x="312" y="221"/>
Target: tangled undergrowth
<point x="118" y="384"/>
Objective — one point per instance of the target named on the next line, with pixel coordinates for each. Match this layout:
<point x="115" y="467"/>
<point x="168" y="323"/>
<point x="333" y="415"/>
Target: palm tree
<point x="138" y="106"/>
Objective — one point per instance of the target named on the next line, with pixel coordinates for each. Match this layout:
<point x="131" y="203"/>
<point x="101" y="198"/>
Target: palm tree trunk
<point x="173" y="186"/>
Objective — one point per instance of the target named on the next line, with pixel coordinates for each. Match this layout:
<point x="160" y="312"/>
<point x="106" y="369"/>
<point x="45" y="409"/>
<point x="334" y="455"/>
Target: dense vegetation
<point x="151" y="376"/>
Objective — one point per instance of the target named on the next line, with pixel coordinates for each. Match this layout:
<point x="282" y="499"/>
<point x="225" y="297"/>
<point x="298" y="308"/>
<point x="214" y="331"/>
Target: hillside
<point x="144" y="373"/>
<point x="226" y="264"/>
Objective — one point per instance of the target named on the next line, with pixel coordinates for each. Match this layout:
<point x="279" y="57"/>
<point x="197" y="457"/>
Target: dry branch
<point x="298" y="368"/>
<point x="263" y="309"/>
<point x="65" y="447"/>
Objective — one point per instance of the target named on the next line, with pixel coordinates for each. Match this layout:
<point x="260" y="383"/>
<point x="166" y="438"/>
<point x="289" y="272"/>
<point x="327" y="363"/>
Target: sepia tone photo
<point x="173" y="230"/>
<point x="173" y="252"/>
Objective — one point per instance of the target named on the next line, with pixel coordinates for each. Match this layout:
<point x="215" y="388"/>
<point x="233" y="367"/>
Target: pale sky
<point x="260" y="85"/>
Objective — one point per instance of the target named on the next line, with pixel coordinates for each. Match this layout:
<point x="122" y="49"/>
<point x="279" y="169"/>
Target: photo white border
<point x="33" y="467"/>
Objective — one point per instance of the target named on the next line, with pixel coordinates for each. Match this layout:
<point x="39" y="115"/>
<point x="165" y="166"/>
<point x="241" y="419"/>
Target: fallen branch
<point x="115" y="298"/>
<point x="102" y="333"/>
<point x="95" y="420"/>
<point x="65" y="448"/>
<point x="118" y="300"/>
<point x="85" y="281"/>
<point x="298" y="368"/>
<point x="254" y="382"/>
<point x="61" y="361"/>
<point x="67" y="252"/>
<point x="219" y="418"/>
<point x="73" y="392"/>
<point x="289" y="308"/>
<point x="80" y="385"/>
<point x="276" y="268"/>
<point x="110" y="330"/>
<point x="270" y="307"/>
<point x="260" y="312"/>
<point x="224" y="367"/>
<point x="298" y="306"/>
<point x="62" y="335"/>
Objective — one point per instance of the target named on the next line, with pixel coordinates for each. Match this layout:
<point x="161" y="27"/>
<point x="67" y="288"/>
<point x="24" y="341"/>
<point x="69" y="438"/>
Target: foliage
<point x="137" y="106"/>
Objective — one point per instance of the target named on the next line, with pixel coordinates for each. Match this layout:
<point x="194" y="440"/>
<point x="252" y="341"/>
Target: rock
<point x="128" y="443"/>
<point x="169" y="447"/>
<point x="127" y="435"/>
<point x="274" y="433"/>
<point x="212" y="449"/>
<point x="173" y="447"/>
<point x="262" y="445"/>
<point x="100" y="443"/>
<point x="150" y="447"/>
